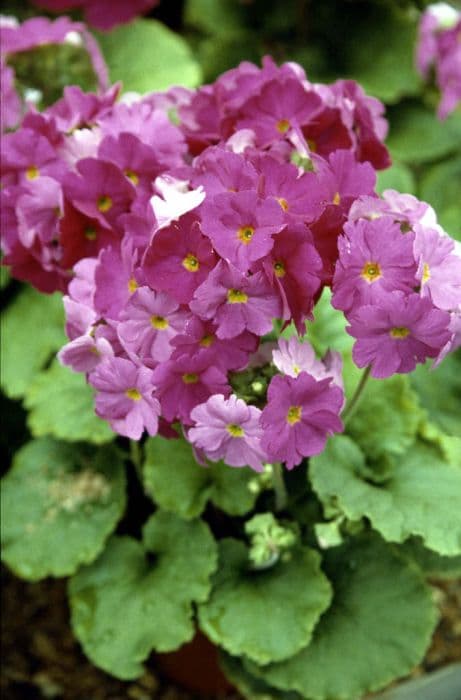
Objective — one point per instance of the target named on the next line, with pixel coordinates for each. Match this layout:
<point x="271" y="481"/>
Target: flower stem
<point x="353" y="403"/>
<point x="281" y="496"/>
<point x="136" y="457"/>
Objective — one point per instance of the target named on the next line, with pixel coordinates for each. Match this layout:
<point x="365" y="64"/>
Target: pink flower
<point x="374" y="257"/>
<point x="100" y="190"/>
<point x="179" y="259"/>
<point x="439" y="268"/>
<point x="299" y="415"/>
<point x="125" y="397"/>
<point x="186" y="382"/>
<point x="228" y="429"/>
<point x="397" y="332"/>
<point x="241" y="226"/>
<point x="293" y="356"/>
<point x="236" y="302"/>
<point x="147" y="324"/>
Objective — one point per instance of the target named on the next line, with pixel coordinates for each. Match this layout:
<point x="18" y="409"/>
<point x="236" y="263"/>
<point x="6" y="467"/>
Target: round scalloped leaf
<point x="32" y="330"/>
<point x="440" y="392"/>
<point x="193" y="485"/>
<point x="123" y="606"/>
<point x="248" y="685"/>
<point x="417" y="136"/>
<point x="432" y="564"/>
<point x="440" y="186"/>
<point x="387" y="417"/>
<point x="265" y="615"/>
<point x="61" y="404"/>
<point x="60" y="502"/>
<point x="377" y="628"/>
<point x="421" y="497"/>
<point x="145" y="55"/>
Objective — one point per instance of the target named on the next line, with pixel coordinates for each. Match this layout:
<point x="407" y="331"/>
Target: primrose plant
<point x="228" y="268"/>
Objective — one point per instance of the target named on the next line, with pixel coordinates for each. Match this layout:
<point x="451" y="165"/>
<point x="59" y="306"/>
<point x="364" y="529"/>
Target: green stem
<point x="353" y="403"/>
<point x="281" y="496"/>
<point x="136" y="457"/>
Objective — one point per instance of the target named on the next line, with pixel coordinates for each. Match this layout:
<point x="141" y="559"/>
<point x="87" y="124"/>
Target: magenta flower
<point x="102" y="14"/>
<point x="295" y="267"/>
<point x="439" y="268"/>
<point x="179" y="259"/>
<point x="137" y="160"/>
<point x="280" y="105"/>
<point x="199" y="339"/>
<point x="147" y="324"/>
<point x="374" y="257"/>
<point x="228" y="429"/>
<point x="241" y="226"/>
<point x="84" y="353"/>
<point x="236" y="302"/>
<point x="100" y="190"/>
<point x="300" y="413"/>
<point x="125" y="397"/>
<point x="117" y="276"/>
<point x="186" y="382"/>
<point x="396" y="333"/>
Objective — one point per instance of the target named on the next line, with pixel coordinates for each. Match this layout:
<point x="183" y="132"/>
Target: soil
<point x="41" y="659"/>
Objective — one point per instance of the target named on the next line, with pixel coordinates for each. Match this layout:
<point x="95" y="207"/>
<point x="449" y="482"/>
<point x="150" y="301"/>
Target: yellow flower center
<point x="131" y="175"/>
<point x="190" y="378"/>
<point x="90" y="233"/>
<point x="235" y="296"/>
<point x="159" y="322"/>
<point x="132" y="285"/>
<point x="426" y="273"/>
<point x="282" y="126"/>
<point x="371" y="272"/>
<point x="191" y="263"/>
<point x="283" y="203"/>
<point x="245" y="234"/>
<point x="206" y="341"/>
<point x="337" y="198"/>
<point x="279" y="269"/>
<point x="133" y="394"/>
<point x="235" y="430"/>
<point x="32" y="172"/>
<point x="399" y="332"/>
<point x="294" y="414"/>
<point x="104" y="203"/>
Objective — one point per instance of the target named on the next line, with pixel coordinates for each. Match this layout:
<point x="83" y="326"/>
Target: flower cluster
<point x="398" y="280"/>
<point x="102" y="14"/>
<point x="17" y="39"/>
<point x="439" y="53"/>
<point x="183" y="223"/>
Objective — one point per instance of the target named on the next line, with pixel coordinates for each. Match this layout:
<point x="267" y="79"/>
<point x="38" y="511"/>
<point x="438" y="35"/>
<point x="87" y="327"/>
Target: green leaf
<point x="279" y="606"/>
<point x="417" y="136"/>
<point x="422" y="497"/>
<point x="59" y="504"/>
<point x="328" y="328"/>
<point x="61" y="404"/>
<point x="250" y="686"/>
<point x="398" y="177"/>
<point x="32" y="330"/>
<point x="214" y="17"/>
<point x="431" y="563"/>
<point x="145" y="55"/>
<point x="122" y="606"/>
<point x="377" y="628"/>
<point x="389" y="39"/>
<point x="387" y="417"/>
<point x="5" y="277"/>
<point x="177" y="483"/>
<point x="440" y="392"/>
<point x="440" y="186"/>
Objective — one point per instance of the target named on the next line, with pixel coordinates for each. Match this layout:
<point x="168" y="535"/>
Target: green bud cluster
<point x="269" y="540"/>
